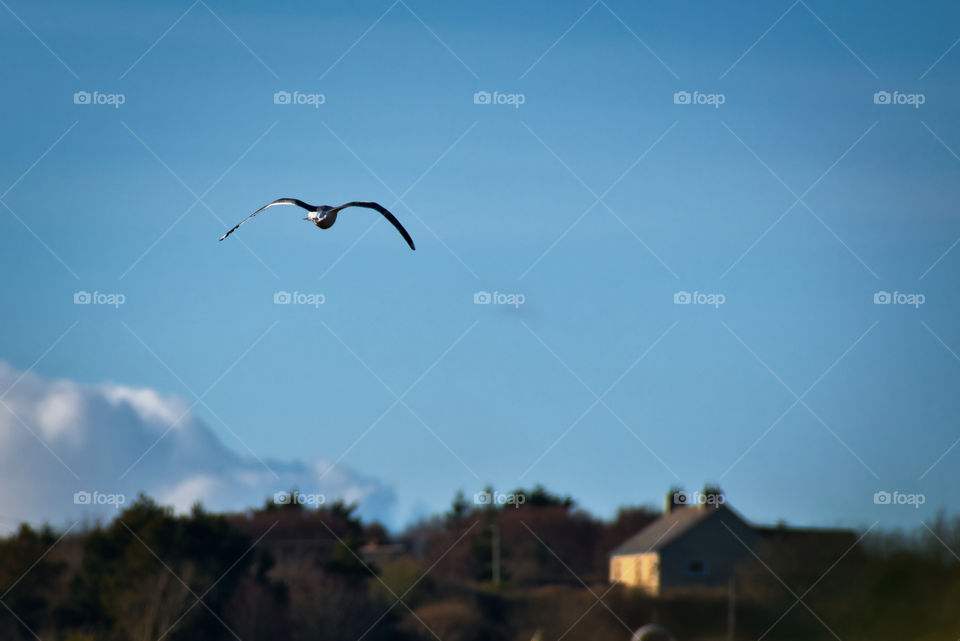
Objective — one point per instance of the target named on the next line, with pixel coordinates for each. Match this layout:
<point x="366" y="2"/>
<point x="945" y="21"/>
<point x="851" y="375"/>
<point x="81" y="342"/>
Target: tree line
<point x="488" y="571"/>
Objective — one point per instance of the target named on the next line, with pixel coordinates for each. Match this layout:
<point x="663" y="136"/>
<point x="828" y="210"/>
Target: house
<point x="700" y="541"/>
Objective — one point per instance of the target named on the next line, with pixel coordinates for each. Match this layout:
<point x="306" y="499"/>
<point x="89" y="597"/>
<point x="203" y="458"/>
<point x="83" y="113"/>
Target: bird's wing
<point x="386" y="214"/>
<point x="278" y="201"/>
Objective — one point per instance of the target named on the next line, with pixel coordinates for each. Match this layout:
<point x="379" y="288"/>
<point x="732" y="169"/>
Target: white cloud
<point x="99" y="431"/>
<point x="58" y="411"/>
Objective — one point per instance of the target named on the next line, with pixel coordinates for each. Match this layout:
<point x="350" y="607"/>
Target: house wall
<point x="711" y="544"/>
<point x="636" y="570"/>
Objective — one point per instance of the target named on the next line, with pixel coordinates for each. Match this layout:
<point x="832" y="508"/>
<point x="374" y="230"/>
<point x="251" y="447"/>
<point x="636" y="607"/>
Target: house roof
<point x="818" y="536"/>
<point x="666" y="529"/>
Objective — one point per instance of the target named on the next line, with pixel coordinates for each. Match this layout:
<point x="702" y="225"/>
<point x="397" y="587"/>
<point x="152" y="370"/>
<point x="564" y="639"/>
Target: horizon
<point x="517" y="498"/>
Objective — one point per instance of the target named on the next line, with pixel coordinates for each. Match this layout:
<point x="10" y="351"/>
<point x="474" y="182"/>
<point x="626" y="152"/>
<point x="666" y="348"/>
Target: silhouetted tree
<point x="142" y="575"/>
<point x="28" y="579"/>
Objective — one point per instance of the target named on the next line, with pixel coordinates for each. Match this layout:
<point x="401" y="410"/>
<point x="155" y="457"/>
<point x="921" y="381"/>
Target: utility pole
<point x="496" y="554"/>
<point x="731" y="608"/>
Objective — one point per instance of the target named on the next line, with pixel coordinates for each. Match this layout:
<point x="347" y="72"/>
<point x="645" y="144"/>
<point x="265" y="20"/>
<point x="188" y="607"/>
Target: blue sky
<point x="597" y="199"/>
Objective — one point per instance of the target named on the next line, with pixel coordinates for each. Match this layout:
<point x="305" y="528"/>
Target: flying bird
<point x="324" y="216"/>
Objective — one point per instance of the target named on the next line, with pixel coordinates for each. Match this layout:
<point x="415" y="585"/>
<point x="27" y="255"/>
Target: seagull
<point x="324" y="216"/>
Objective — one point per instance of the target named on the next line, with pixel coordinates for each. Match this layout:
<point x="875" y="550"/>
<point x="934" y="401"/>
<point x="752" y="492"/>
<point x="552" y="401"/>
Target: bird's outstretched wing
<point x="278" y="201"/>
<point x="386" y="214"/>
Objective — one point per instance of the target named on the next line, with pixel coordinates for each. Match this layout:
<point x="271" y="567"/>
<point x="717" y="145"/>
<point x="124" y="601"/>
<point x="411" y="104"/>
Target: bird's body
<point x="323" y="216"/>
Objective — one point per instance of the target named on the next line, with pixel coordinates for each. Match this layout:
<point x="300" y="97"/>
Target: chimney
<point x="712" y="497"/>
<point x="676" y="499"/>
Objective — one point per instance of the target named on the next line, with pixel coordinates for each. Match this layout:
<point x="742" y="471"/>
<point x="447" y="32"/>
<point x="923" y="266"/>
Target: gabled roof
<point x="667" y="529"/>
